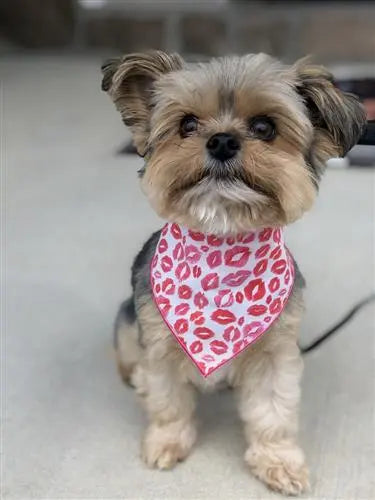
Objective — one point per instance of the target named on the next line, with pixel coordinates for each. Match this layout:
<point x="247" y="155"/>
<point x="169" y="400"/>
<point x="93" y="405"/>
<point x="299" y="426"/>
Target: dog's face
<point x="234" y="144"/>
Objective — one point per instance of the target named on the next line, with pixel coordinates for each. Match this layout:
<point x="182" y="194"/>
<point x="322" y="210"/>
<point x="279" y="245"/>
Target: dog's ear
<point x="129" y="81"/>
<point x="338" y="117"/>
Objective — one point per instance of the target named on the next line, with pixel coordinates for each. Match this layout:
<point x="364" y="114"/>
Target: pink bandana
<point x="219" y="295"/>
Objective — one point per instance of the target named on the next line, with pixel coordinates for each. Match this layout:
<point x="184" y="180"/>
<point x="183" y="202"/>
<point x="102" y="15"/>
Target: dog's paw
<point x="165" y="445"/>
<point x="280" y="466"/>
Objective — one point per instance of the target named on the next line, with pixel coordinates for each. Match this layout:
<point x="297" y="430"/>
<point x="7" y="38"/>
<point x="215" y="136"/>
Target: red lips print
<point x="192" y="254"/>
<point x="255" y="290"/>
<point x="224" y="298"/>
<point x="260" y="267"/>
<point x="279" y="266"/>
<point x="200" y="300"/>
<point x="168" y="286"/>
<point x="197" y="271"/>
<point x="163" y="304"/>
<point x="262" y="251"/>
<point x="176" y="231"/>
<point x="252" y="328"/>
<point x="197" y="318"/>
<point x="185" y="292"/>
<point x="277" y="235"/>
<point x="276" y="306"/>
<point x="276" y="253"/>
<point x="237" y="278"/>
<point x="214" y="240"/>
<point x="163" y="245"/>
<point x="274" y="284"/>
<point x="239" y="297"/>
<point x="218" y="347"/>
<point x="196" y="235"/>
<point x="155" y="260"/>
<point x="257" y="310"/>
<point x="237" y="256"/>
<point x="182" y="309"/>
<point x="231" y="334"/>
<point x="181" y="326"/>
<point x="166" y="263"/>
<point x="223" y="316"/>
<point x="210" y="282"/>
<point x="203" y="333"/>
<point x="196" y="347"/>
<point x="178" y="252"/>
<point x="214" y="259"/>
<point x="183" y="271"/>
<point x="266" y="234"/>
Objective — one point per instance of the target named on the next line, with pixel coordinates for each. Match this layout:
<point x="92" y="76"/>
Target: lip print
<point x="252" y="328"/>
<point x="197" y="271"/>
<point x="249" y="238"/>
<point x="181" y="326"/>
<point x="178" y="251"/>
<point x="277" y="235"/>
<point x="203" y="333"/>
<point x="239" y="297"/>
<point x="237" y="346"/>
<point x="176" y="231"/>
<point x="287" y="277"/>
<point x="163" y="304"/>
<point x="237" y="278"/>
<point x="196" y="235"/>
<point x="214" y="259"/>
<point x="279" y="266"/>
<point x="274" y="284"/>
<point x="276" y="305"/>
<point x="163" y="245"/>
<point x="267" y="319"/>
<point x="155" y="260"/>
<point x="241" y="320"/>
<point x="164" y="231"/>
<point x="196" y="347"/>
<point x="224" y="298"/>
<point x="208" y="358"/>
<point x="223" y="316"/>
<point x="166" y="263"/>
<point x="210" y="282"/>
<point x="266" y="234"/>
<point x="184" y="292"/>
<point x="282" y="292"/>
<point x="262" y="251"/>
<point x="197" y="318"/>
<point x="183" y="271"/>
<point x="257" y="310"/>
<point x="182" y="309"/>
<point x="230" y="241"/>
<point x="276" y="253"/>
<point x="200" y="300"/>
<point x="218" y="347"/>
<point x="192" y="254"/>
<point x="255" y="290"/>
<point x="260" y="267"/>
<point x="237" y="256"/>
<point x="214" y="240"/>
<point x="231" y="334"/>
<point x="157" y="288"/>
<point x="168" y="286"/>
<point x="157" y="274"/>
<point x="205" y="248"/>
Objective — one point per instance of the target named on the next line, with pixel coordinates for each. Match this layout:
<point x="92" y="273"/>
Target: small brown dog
<point x="232" y="146"/>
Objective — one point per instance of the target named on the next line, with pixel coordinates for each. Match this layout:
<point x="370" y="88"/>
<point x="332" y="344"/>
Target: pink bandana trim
<point x="219" y="295"/>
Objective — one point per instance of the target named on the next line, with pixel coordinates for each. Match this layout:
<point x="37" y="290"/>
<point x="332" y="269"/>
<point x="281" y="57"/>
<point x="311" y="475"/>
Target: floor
<point x="74" y="218"/>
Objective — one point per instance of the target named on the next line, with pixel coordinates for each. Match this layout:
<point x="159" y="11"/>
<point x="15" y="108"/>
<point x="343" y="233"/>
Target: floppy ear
<point x="129" y="81"/>
<point x="338" y="117"/>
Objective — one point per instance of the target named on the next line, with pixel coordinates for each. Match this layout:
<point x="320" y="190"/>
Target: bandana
<point x="219" y="295"/>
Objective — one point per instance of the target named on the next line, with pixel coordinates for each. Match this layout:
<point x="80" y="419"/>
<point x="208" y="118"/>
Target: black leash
<point x="322" y="338"/>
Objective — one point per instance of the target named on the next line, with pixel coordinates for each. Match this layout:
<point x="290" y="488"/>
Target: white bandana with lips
<point x="219" y="295"/>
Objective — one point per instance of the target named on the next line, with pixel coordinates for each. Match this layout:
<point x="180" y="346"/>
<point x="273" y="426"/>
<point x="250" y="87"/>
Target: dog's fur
<point x="267" y="184"/>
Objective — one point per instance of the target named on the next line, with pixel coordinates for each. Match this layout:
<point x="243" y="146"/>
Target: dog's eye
<point x="189" y="124"/>
<point x="262" y="127"/>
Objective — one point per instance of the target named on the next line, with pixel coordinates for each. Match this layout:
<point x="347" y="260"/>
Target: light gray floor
<point x="74" y="219"/>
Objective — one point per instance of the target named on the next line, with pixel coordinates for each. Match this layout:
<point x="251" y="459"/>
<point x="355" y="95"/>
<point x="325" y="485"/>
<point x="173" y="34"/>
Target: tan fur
<point x="267" y="183"/>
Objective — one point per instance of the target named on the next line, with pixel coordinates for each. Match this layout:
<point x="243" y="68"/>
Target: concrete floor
<point x="74" y="219"/>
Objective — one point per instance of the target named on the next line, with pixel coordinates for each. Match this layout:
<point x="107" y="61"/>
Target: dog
<point x="234" y="151"/>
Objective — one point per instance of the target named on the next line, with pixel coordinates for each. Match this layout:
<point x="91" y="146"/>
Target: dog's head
<point x="233" y="144"/>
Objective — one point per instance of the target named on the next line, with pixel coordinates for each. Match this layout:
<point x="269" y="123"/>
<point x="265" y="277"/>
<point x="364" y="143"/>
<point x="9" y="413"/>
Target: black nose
<point x="223" y="146"/>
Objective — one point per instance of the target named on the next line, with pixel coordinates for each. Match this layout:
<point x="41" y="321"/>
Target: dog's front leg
<point x="269" y="396"/>
<point x="168" y="397"/>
